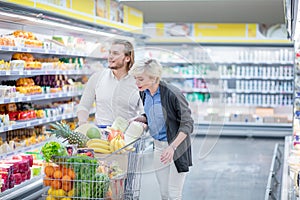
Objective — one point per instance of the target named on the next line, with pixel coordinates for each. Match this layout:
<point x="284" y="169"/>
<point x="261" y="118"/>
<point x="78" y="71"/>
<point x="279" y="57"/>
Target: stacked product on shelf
<point x="244" y="79"/>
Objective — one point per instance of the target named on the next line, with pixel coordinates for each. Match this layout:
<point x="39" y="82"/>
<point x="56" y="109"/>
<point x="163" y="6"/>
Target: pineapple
<point x="63" y="130"/>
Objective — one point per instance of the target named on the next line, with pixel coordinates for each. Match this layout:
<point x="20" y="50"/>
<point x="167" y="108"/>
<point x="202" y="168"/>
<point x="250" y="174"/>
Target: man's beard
<point x="117" y="65"/>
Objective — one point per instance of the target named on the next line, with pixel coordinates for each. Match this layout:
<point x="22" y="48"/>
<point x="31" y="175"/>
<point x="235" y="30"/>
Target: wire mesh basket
<point x="86" y="178"/>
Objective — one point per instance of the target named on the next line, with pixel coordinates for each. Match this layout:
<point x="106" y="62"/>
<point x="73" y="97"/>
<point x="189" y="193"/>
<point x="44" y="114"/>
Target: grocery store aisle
<point x="236" y="168"/>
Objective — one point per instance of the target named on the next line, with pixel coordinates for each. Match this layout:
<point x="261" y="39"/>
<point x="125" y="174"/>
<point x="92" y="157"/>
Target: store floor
<point x="225" y="168"/>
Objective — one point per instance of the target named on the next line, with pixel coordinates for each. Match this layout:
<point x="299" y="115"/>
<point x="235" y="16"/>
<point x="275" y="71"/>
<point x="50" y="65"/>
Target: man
<point x="112" y="89"/>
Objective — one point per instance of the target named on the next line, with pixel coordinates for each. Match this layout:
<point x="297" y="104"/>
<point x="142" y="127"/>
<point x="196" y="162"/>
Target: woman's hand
<point x="167" y="155"/>
<point x="138" y="119"/>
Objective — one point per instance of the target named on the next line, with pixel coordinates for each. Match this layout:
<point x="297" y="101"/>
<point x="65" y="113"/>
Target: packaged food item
<point x="88" y="152"/>
<point x="17" y="64"/>
<point x="71" y="149"/>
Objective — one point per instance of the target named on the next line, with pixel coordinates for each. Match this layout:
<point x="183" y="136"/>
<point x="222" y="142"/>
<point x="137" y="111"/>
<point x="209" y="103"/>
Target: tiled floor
<point x="226" y="168"/>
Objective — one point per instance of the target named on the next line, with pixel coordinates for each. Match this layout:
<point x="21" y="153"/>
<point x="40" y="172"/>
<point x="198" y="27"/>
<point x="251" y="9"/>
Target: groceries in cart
<point x="78" y="176"/>
<point x="115" y="139"/>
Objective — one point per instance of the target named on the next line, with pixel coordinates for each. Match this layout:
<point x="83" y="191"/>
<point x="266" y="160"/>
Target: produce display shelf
<point x="41" y="51"/>
<point x="24" y="149"/>
<point x="27" y="187"/>
<point x="42" y="72"/>
<point x="40" y="97"/>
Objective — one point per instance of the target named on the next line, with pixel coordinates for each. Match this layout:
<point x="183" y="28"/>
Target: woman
<point x="170" y="123"/>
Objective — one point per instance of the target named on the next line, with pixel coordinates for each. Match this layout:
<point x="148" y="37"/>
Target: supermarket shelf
<point x="202" y="90"/>
<point x="200" y="62"/>
<point x="37" y="97"/>
<point x="41" y="51"/>
<point x="22" y="150"/>
<point x="243" y="129"/>
<point x="188" y="76"/>
<point x="287" y="190"/>
<point x="43" y="72"/>
<point x="258" y="78"/>
<point x="256" y="92"/>
<point x="36" y="122"/>
<point x="25" y="189"/>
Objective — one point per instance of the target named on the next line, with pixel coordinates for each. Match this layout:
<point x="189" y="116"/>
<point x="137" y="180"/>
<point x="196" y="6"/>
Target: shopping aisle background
<point x="236" y="168"/>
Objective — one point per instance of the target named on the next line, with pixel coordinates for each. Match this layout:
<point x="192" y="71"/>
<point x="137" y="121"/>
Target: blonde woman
<point x="170" y="124"/>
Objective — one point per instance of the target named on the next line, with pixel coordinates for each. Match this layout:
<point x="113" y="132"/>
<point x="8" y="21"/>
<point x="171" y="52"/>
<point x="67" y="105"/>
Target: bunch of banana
<point x="116" y="143"/>
<point x="99" y="145"/>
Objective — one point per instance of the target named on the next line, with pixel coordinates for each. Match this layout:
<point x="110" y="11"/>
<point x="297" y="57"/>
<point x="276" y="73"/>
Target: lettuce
<point x="53" y="149"/>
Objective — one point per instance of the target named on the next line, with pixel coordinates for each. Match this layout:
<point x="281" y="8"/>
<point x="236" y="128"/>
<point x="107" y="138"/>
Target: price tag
<point x="24" y="49"/>
<point x="6" y="100"/>
<point x="39" y="50"/>
<point x="25" y="99"/>
<point x="10" y="154"/>
<point x="2" y="72"/>
<point x="19" y="125"/>
<point x="14" y="72"/>
<point x="14" y="48"/>
<point x="52" y="51"/>
<point x="4" y="48"/>
<point x="35" y="122"/>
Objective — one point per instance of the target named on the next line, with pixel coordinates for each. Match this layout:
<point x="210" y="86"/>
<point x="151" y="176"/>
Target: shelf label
<point x="2" y="72"/>
<point x="14" y="72"/>
<point x="17" y="126"/>
<point x="59" y="118"/>
<point x="25" y="99"/>
<point x="6" y="100"/>
<point x="39" y="50"/>
<point x="24" y="49"/>
<point x="35" y="122"/>
<point x="52" y="51"/>
<point x="4" y="48"/>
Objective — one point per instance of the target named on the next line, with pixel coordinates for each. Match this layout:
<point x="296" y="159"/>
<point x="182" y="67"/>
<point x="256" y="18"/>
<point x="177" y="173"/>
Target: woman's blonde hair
<point x="150" y="66"/>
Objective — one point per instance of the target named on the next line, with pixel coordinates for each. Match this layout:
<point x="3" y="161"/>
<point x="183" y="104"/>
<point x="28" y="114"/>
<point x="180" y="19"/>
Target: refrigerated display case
<point x="245" y="88"/>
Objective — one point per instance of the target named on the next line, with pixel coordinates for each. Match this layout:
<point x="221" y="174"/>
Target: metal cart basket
<point x="85" y="178"/>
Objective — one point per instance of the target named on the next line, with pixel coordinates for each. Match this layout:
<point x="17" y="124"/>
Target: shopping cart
<point x="85" y="178"/>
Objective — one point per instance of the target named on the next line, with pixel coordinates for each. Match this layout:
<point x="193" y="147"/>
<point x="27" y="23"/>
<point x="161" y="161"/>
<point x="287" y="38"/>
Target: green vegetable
<point x="85" y="169"/>
<point x="101" y="185"/>
<point x="53" y="149"/>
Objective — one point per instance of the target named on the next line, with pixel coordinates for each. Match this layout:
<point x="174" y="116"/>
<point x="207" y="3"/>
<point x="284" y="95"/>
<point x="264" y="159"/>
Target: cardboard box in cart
<point x="117" y="183"/>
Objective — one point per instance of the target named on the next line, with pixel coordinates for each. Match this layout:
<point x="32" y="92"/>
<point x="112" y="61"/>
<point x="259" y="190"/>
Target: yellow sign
<point x="220" y="30"/>
<point x="23" y="2"/>
<point x="133" y="17"/>
<point x="105" y="12"/>
<point x="86" y="6"/>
